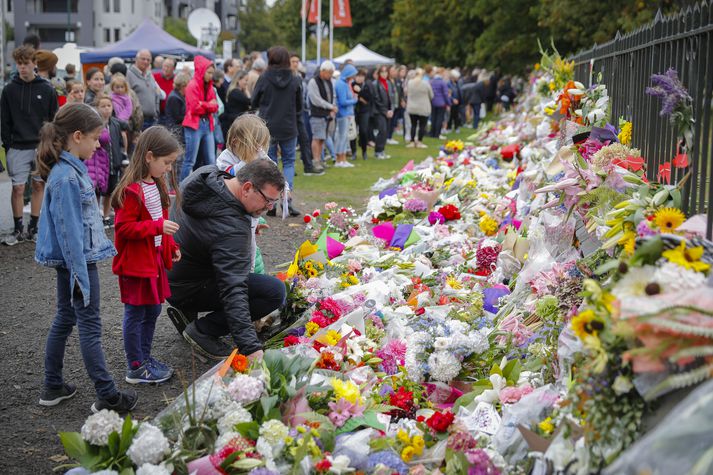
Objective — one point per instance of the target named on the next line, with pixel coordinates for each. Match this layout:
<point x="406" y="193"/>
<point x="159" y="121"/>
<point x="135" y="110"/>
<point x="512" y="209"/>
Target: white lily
<point x="493" y="395"/>
<point x="340" y="464"/>
<point x="595" y="115"/>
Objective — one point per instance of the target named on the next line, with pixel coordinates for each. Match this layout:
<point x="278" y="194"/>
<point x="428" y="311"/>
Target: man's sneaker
<point x="160" y="365"/>
<point x="204" y="344"/>
<point x="17" y="236"/>
<point x="52" y="397"/>
<point x="442" y="137"/>
<point x="147" y="373"/>
<point x="125" y="402"/>
<point x="180" y="318"/>
<point x="392" y="141"/>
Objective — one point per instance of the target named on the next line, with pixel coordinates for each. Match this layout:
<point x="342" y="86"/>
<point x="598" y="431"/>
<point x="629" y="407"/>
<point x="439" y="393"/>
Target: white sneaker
<point x="442" y="137"/>
<point x="340" y="165"/>
<point x="410" y="145"/>
<point x="392" y="142"/>
<point x="347" y="165"/>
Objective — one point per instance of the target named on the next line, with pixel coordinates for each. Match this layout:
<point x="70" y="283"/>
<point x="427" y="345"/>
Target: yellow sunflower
<point x="586" y="323"/>
<point x="668" y="219"/>
<point x="488" y="225"/>
<point x="690" y="258"/>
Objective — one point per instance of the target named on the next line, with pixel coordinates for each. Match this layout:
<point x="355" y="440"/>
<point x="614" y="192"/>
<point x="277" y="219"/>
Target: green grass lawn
<point x="2" y="158"/>
<point x="351" y="186"/>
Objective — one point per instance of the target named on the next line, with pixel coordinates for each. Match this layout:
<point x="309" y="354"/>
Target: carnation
<point x="151" y="469"/>
<point x="273" y="431"/>
<point x="444" y="366"/>
<point x="237" y="415"/>
<point x="245" y="389"/>
<point x="434" y="217"/>
<point x="99" y="426"/>
<point x="511" y="395"/>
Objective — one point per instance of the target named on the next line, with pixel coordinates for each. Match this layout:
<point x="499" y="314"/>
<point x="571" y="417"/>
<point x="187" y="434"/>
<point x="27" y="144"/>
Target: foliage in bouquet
<point x="337" y="219"/>
<point x="593" y="104"/>
<point x="102" y="444"/>
<point x="601" y="393"/>
<point x="558" y="70"/>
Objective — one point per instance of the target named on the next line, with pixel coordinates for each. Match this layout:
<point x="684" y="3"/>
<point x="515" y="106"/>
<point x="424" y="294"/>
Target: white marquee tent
<point x="363" y="56"/>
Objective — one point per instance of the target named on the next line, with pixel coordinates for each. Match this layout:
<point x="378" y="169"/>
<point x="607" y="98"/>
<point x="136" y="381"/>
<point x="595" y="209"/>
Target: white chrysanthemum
<point x="97" y="427"/>
<point x="634" y="282"/>
<point x="151" y="469"/>
<point x="413" y="365"/>
<point x="441" y="343"/>
<point x="672" y="278"/>
<point x="245" y="389"/>
<point x="149" y="445"/>
<point x="268" y="450"/>
<point x="273" y="431"/>
<point x="237" y="415"/>
<point x="444" y="366"/>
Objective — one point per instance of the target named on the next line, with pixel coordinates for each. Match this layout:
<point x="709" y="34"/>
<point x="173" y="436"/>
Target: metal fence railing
<point x="684" y="42"/>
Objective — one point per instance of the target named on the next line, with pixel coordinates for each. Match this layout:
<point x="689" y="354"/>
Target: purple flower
<point x="644" y="230"/>
<point x="415" y="205"/>
<point x="589" y="147"/>
<point x="387" y="458"/>
<point x="262" y="471"/>
<point x="669" y="88"/>
<point x="480" y="463"/>
<point x="436" y="217"/>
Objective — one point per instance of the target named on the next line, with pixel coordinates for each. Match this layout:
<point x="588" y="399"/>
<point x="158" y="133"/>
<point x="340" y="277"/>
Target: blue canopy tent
<point x="147" y="36"/>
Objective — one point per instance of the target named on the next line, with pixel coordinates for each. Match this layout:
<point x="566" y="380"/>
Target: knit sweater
<point x="418" y="101"/>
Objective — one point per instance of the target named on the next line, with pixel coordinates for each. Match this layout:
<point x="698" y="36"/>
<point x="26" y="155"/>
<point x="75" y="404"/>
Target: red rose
<point x="307" y="218"/>
<point x="374" y="220"/>
<point x="315" y="213"/>
<point x="402" y="399"/>
<point x="450" y="212"/>
<point x="291" y="340"/>
<point x="440" y="421"/>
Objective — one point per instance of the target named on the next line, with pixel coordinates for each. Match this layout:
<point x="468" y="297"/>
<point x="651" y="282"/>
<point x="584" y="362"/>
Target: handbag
<point x="352" y="132"/>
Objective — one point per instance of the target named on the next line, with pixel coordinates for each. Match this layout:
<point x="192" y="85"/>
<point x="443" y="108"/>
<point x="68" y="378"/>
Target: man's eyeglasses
<point x="267" y="200"/>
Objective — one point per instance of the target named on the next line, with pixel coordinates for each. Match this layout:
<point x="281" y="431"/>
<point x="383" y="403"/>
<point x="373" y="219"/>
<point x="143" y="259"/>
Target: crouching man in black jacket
<point x="214" y="272"/>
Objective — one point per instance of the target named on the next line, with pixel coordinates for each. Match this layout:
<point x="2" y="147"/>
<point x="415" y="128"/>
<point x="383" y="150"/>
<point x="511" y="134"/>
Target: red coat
<point x="134" y="232"/>
<point x="166" y="86"/>
<point x="199" y="96"/>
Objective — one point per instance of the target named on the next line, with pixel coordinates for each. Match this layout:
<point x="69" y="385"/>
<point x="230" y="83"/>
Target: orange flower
<point x="240" y="363"/>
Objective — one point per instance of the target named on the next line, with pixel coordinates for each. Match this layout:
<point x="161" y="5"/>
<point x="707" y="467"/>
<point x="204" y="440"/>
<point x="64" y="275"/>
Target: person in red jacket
<point x="145" y="248"/>
<point x="198" y="125"/>
<point x="164" y="79"/>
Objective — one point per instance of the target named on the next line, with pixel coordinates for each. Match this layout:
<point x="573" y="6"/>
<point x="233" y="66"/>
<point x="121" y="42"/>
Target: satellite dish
<point x="204" y="25"/>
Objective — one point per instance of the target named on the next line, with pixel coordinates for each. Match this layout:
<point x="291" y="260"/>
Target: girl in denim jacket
<point x="71" y="239"/>
<point x="145" y="248"/>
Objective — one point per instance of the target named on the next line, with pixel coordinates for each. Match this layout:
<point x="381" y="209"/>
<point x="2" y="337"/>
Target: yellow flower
<point x="407" y="454"/>
<point x="352" y="279"/>
<point x="448" y="183"/>
<point x="311" y="328"/>
<point x="309" y="265"/>
<point x="668" y="219"/>
<point x="331" y="338"/>
<point x="552" y="86"/>
<point x="628" y="242"/>
<point x="418" y="444"/>
<point x="546" y="426"/>
<point x="586" y="323"/>
<point x="453" y="283"/>
<point x="311" y="272"/>
<point x="403" y="436"/>
<point x="484" y="196"/>
<point x="488" y="225"/>
<point x="289" y="440"/>
<point x="537" y="66"/>
<point x="320" y="266"/>
<point x="346" y="390"/>
<point x="690" y="258"/>
<point x="625" y="134"/>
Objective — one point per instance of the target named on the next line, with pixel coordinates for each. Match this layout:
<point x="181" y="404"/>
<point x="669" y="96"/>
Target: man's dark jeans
<point x="265" y="295"/>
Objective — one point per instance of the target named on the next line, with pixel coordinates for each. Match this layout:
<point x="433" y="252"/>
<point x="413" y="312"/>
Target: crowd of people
<point x="111" y="150"/>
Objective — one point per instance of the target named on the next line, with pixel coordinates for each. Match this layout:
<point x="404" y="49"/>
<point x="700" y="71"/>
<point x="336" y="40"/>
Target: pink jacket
<point x="199" y="96"/>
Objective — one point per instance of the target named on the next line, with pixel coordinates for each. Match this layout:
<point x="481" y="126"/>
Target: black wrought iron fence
<point x="684" y="42"/>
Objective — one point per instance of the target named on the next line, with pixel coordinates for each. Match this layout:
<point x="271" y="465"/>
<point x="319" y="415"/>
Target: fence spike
<point x="659" y="16"/>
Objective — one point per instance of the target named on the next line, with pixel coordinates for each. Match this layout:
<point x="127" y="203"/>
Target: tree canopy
<point x="489" y="33"/>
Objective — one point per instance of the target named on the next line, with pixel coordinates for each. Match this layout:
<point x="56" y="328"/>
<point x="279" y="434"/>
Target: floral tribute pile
<point x="520" y="305"/>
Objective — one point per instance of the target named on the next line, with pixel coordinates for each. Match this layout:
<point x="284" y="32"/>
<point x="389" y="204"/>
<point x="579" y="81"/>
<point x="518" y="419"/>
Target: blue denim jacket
<point x="71" y="233"/>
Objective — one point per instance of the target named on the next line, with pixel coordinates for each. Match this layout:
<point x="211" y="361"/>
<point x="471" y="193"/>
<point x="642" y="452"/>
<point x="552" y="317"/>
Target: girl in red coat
<point x="145" y="248"/>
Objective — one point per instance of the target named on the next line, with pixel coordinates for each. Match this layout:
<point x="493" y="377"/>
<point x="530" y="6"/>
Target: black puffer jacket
<point x="278" y="99"/>
<point x="215" y="240"/>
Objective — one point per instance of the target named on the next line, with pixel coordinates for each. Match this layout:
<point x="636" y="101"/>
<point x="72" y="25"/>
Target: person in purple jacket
<point x="440" y="103"/>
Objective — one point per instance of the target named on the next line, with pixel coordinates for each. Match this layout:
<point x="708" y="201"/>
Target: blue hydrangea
<point x="389" y="459"/>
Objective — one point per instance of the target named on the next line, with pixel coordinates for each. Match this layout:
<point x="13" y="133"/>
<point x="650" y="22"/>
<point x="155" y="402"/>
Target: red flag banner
<point x="342" y="14"/>
<point x="313" y="8"/>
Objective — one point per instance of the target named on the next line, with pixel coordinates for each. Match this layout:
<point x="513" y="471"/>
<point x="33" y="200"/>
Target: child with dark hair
<point x="72" y="240"/>
<point x="146" y="249"/>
